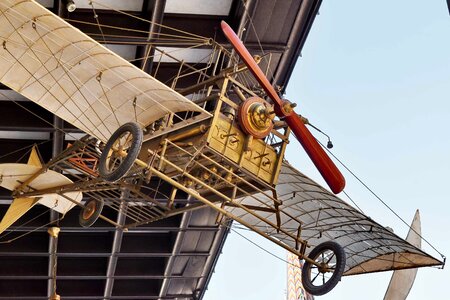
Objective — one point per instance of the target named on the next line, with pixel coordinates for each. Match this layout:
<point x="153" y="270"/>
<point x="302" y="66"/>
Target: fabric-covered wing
<point x="60" y="68"/>
<point x="369" y="247"/>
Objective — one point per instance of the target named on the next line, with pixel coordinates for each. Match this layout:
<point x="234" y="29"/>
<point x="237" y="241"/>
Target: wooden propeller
<point x="284" y="109"/>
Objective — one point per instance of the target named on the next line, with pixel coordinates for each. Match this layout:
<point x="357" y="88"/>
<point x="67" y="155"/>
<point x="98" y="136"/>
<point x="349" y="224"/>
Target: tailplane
<point x="17" y="209"/>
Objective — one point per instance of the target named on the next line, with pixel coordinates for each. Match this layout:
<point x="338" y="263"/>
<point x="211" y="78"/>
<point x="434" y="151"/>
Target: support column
<point x="115" y="249"/>
<point x="185" y="220"/>
<point x="58" y="140"/>
<point x="157" y="10"/>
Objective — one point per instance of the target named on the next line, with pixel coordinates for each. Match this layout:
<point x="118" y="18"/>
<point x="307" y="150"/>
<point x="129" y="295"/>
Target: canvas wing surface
<point x="321" y="216"/>
<point x="63" y="70"/>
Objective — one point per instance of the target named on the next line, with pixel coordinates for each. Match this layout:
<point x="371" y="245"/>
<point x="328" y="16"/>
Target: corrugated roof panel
<point x="129" y="5"/>
<point x="199" y="7"/>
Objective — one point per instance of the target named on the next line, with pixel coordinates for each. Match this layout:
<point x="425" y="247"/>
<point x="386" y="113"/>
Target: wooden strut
<point x="231" y="216"/>
<point x="86" y="187"/>
<point x="227" y="201"/>
<point x="197" y="196"/>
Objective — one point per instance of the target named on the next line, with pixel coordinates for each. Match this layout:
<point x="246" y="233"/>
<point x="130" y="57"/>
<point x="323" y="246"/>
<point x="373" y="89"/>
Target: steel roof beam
<point x="157" y="16"/>
<point x="109" y="229"/>
<point x="57" y="146"/>
<point x="302" y="25"/>
<point x="267" y="46"/>
<point x="96" y="297"/>
<point x="249" y="8"/>
<point x="117" y="243"/>
<point x="100" y="255"/>
<point x="38" y="129"/>
<point x="185" y="220"/>
<point x="95" y="277"/>
<point x="215" y="250"/>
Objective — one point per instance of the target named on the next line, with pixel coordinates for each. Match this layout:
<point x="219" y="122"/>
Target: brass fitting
<point x="288" y="107"/>
<point x="54" y="232"/>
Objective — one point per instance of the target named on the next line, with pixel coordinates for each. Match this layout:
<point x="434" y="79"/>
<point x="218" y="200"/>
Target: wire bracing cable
<point x="381" y="200"/>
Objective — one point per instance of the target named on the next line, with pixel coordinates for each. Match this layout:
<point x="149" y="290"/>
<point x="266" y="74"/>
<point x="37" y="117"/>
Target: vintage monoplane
<point x="221" y="141"/>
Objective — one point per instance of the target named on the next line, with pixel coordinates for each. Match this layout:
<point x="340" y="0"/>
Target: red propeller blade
<point x="321" y="160"/>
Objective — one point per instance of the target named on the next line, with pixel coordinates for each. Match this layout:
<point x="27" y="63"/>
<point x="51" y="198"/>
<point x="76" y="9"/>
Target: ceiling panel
<point x="199" y="7"/>
<point x="46" y="3"/>
<point x="128" y="5"/>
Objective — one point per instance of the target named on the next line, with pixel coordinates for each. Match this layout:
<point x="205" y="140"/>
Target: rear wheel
<point x="120" y="152"/>
<point x="90" y="212"/>
<point x="322" y="276"/>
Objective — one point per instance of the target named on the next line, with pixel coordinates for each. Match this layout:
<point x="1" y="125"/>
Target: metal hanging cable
<point x="147" y="21"/>
<point x="381" y="200"/>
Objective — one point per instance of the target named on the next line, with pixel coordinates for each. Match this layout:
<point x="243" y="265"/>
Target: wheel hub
<point x="323" y="268"/>
<point x="89" y="210"/>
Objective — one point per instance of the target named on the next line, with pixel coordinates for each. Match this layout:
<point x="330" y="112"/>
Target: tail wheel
<point x="90" y="212"/>
<point x="322" y="276"/>
<point x="120" y="152"/>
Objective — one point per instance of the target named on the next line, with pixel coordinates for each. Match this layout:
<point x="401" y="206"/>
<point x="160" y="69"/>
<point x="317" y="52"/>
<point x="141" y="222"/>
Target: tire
<point x="115" y="172"/>
<point x="327" y="252"/>
<point x="90" y="212"/>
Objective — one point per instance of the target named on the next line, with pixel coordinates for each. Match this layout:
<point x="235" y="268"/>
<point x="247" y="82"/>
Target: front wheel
<point x="320" y="277"/>
<point x="120" y="152"/>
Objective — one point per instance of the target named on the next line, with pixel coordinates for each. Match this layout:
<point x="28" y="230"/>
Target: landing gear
<point x="321" y="277"/>
<point x="90" y="212"/>
<point x="120" y="152"/>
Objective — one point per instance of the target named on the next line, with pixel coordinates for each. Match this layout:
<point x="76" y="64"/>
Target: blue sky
<point x="375" y="76"/>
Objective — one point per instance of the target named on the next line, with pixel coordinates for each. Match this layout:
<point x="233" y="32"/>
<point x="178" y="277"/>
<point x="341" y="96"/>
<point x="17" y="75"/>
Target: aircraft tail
<point x="17" y="209"/>
<point x="403" y="280"/>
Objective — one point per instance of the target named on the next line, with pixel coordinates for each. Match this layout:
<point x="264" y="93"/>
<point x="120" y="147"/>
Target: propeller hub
<point x="256" y="117"/>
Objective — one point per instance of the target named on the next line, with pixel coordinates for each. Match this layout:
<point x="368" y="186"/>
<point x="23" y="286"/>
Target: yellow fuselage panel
<point x="258" y="158"/>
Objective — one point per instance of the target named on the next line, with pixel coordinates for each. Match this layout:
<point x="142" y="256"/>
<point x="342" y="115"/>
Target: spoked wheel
<point x="90" y="213"/>
<point x="321" y="277"/>
<point x="120" y="152"/>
